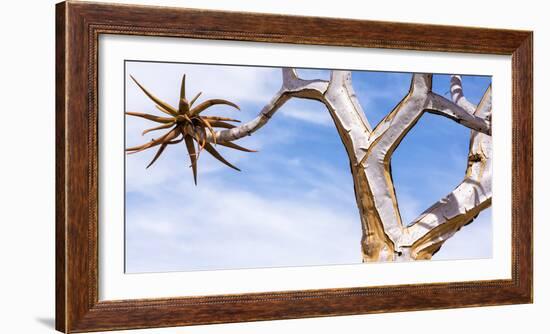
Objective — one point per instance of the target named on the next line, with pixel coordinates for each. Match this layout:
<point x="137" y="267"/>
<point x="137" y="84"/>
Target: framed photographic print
<point x="222" y="167"/>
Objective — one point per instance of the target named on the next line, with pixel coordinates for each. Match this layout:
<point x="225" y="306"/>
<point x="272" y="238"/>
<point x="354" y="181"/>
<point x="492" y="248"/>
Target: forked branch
<point x="385" y="237"/>
<point x="441" y="221"/>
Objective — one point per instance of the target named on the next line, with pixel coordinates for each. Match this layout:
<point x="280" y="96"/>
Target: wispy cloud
<point x="216" y="227"/>
<point x="237" y="83"/>
<point x="309" y="116"/>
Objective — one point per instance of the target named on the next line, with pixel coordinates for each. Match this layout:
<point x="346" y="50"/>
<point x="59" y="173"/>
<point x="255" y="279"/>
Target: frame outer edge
<point x="73" y="201"/>
<point x="61" y="317"/>
<point x="523" y="122"/>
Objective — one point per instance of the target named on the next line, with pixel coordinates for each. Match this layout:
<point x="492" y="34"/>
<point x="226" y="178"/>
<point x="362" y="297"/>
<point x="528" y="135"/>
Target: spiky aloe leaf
<point x="159" y="152"/>
<point x="160" y="127"/>
<point x="156" y="99"/>
<point x="194" y="99"/>
<point x="209" y="103"/>
<point x="182" y="87"/>
<point x="235" y="146"/>
<point x="210" y="149"/>
<point x="163" y="110"/>
<point x="166" y="137"/>
<point x="192" y="155"/>
<point x="217" y="118"/>
<point x="220" y="124"/>
<point x="150" y="117"/>
<point x="183" y="105"/>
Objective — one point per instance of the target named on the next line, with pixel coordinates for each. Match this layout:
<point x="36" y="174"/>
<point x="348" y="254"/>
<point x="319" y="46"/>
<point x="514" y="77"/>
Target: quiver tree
<point x="385" y="237"/>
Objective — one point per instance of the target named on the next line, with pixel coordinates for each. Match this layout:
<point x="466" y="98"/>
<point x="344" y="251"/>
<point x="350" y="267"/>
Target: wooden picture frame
<point x="78" y="26"/>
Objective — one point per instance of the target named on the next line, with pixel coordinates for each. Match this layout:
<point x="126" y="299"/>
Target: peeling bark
<point x="385" y="237"/>
<point x="441" y="221"/>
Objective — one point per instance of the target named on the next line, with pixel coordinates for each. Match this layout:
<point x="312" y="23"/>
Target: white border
<point x="115" y="285"/>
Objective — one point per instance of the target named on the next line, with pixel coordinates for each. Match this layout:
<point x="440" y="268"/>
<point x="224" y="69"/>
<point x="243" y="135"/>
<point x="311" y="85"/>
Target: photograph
<point x="241" y="167"/>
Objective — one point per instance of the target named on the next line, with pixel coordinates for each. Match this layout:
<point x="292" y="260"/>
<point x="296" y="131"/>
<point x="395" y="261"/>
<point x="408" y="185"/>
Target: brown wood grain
<point x="78" y="26"/>
<point x="60" y="226"/>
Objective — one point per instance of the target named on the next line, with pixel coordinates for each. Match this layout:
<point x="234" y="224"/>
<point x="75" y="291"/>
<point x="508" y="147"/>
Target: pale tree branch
<point x="292" y="87"/>
<point x="437" y="104"/>
<point x="355" y="131"/>
<point x="441" y="221"/>
<point x="384" y="140"/>
<point x="457" y="94"/>
<point x="341" y="96"/>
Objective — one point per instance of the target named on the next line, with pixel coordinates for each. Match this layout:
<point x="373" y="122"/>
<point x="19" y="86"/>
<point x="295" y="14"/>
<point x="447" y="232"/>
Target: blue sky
<point x="293" y="203"/>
